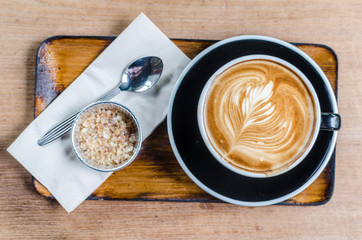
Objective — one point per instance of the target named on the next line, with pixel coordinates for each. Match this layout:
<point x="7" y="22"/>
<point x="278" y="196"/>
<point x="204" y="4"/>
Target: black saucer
<point x="194" y="156"/>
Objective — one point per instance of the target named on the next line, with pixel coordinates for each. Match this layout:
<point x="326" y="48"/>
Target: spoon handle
<point x="64" y="126"/>
<point x="110" y="94"/>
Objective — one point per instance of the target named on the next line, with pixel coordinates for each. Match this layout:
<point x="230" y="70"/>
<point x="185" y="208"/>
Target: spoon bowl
<point x="142" y="74"/>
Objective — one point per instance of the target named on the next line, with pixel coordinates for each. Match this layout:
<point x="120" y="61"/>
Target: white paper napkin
<point x="55" y="165"/>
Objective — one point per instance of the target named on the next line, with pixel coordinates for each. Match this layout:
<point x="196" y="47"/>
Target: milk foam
<point x="259" y="115"/>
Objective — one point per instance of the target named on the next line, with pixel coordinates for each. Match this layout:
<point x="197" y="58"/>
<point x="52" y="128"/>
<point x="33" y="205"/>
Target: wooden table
<point x="26" y="214"/>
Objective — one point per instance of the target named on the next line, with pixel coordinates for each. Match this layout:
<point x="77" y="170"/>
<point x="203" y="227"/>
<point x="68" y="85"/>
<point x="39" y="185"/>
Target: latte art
<point x="259" y="116"/>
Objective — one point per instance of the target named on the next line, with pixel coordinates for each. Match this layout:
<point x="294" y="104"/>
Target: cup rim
<point x="201" y="105"/>
<point x="139" y="131"/>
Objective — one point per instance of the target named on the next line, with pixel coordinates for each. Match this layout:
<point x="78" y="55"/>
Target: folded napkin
<point x="55" y="165"/>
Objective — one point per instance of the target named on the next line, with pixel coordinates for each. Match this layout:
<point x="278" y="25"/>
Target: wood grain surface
<point x="155" y="174"/>
<point x="25" y="214"/>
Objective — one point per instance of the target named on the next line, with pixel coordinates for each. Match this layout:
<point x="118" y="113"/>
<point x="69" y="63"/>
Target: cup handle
<point x="330" y="122"/>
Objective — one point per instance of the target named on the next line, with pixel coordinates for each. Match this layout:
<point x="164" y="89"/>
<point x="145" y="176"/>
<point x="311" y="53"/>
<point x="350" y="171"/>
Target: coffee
<point x="259" y="116"/>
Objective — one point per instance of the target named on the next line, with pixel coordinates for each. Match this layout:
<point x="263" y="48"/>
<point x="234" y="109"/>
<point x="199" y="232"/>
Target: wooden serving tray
<point x="155" y="174"/>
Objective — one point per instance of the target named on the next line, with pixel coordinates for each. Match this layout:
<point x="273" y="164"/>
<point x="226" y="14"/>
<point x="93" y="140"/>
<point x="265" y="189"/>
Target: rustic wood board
<point x="155" y="174"/>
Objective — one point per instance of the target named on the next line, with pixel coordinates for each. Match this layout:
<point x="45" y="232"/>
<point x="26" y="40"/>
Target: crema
<point x="259" y="116"/>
